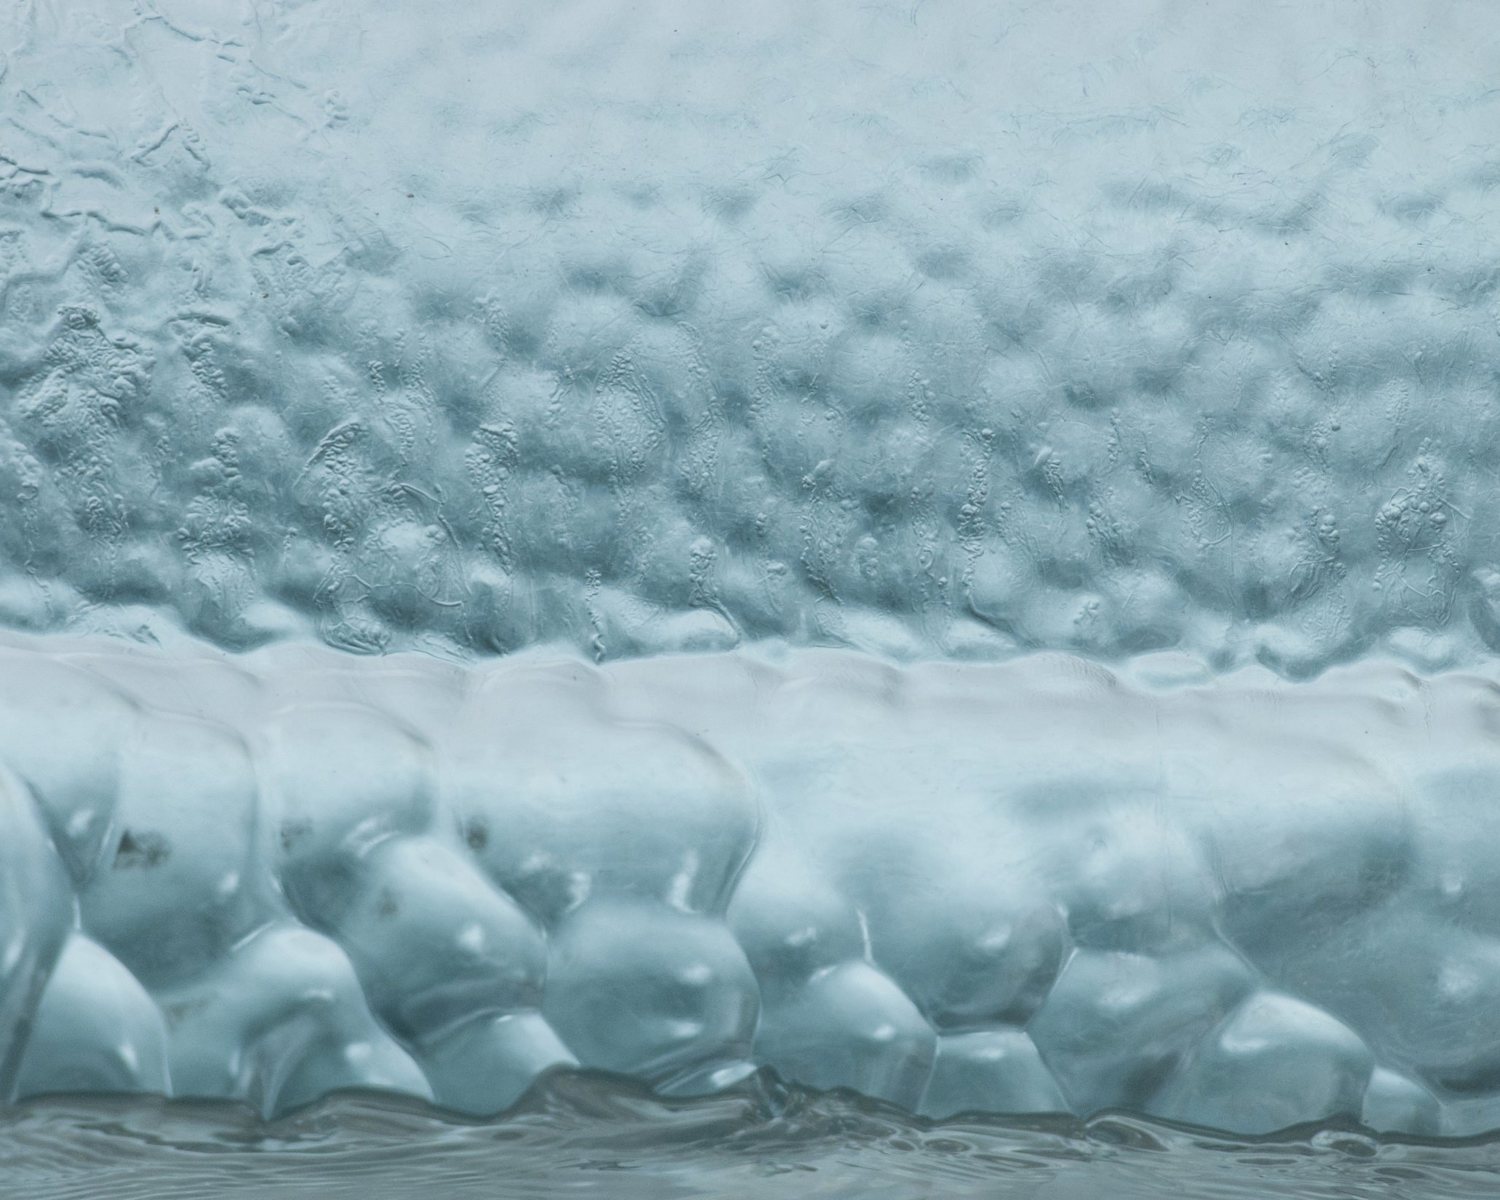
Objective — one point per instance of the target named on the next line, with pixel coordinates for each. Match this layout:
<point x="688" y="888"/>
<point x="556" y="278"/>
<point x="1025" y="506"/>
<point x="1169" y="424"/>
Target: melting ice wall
<point x="1030" y="887"/>
<point x="598" y="337"/>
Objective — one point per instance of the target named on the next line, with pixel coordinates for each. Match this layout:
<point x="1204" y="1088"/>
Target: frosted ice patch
<point x="1109" y="329"/>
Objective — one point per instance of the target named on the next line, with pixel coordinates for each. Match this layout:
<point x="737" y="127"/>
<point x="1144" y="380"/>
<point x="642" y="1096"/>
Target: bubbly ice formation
<point x="1040" y="886"/>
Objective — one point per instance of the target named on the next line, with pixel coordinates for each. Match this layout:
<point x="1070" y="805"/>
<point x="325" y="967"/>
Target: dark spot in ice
<point x="177" y="1011"/>
<point x="292" y="832"/>
<point x="387" y="906"/>
<point x="145" y="850"/>
<point x="477" y="834"/>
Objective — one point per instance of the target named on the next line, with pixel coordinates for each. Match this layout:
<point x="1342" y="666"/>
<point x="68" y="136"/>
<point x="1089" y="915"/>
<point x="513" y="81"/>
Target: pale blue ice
<point x="945" y="550"/>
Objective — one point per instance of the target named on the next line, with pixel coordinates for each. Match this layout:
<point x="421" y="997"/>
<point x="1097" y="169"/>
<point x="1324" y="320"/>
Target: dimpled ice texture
<point x="925" y="329"/>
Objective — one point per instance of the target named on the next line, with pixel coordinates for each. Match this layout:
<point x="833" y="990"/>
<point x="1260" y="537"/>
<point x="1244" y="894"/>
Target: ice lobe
<point x="991" y="1070"/>
<point x="34" y="918"/>
<point x="1276" y="1062"/>
<point x="277" y="1022"/>
<point x="177" y="886"/>
<point x="651" y="991"/>
<point x="96" y="1029"/>
<point x="1040" y="886"/>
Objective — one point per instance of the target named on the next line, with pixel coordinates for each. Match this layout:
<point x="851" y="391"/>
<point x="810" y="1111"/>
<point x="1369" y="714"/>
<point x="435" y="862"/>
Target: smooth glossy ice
<point x="1037" y="886"/>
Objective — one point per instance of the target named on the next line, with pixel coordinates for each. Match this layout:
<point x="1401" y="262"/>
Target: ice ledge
<point x="1039" y="885"/>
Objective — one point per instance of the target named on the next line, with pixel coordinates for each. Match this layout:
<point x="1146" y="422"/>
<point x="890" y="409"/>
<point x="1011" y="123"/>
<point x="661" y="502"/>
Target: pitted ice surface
<point x="953" y="332"/>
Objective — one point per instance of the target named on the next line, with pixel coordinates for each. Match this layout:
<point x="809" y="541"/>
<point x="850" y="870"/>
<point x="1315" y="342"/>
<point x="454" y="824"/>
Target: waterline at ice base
<point x="885" y="600"/>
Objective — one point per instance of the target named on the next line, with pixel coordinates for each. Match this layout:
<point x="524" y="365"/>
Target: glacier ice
<point x="946" y="550"/>
<point x="1101" y="329"/>
<point x="1035" y="886"/>
<point x="990" y="1070"/>
<point x="95" y="1029"/>
<point x="849" y="1026"/>
<point x="1303" y="1063"/>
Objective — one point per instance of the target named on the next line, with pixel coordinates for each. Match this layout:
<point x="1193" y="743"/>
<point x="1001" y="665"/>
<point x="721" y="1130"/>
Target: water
<point x="588" y="1134"/>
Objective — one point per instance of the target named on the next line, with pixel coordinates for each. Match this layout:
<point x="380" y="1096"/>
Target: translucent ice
<point x="991" y="1070"/>
<point x="651" y="991"/>
<point x="850" y="1026"/>
<point x="1276" y="1062"/>
<point x="948" y="550"/>
<point x="1101" y="328"/>
<point x="1039" y="886"/>
<point x="277" y="1022"/>
<point x="96" y="1029"/>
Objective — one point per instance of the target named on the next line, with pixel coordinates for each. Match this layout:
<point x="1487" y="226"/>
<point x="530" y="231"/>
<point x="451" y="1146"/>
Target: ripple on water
<point x="588" y="1134"/>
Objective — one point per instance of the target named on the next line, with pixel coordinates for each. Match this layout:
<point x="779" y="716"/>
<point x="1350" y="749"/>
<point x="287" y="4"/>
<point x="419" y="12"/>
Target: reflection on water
<point x="583" y="1134"/>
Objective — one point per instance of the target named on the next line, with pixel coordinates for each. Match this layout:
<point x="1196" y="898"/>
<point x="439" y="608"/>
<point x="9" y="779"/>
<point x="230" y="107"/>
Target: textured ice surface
<point x="1037" y="886"/>
<point x="587" y="334"/>
<point x="923" y="328"/>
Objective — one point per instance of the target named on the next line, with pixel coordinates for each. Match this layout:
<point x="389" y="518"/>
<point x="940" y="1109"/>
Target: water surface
<point x="586" y="1134"/>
